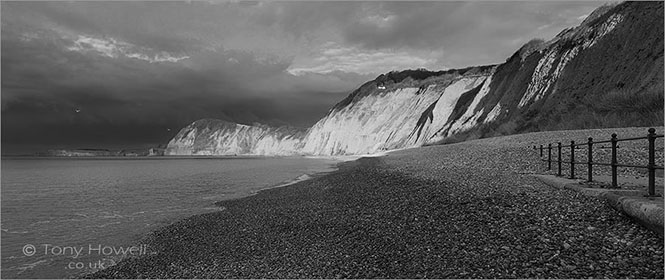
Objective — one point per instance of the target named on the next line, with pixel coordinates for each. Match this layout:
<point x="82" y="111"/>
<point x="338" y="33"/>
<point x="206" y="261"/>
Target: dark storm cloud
<point x="55" y="96"/>
<point x="392" y="25"/>
<point x="469" y="33"/>
<point x="125" y="90"/>
<point x="143" y="23"/>
<point x="134" y="70"/>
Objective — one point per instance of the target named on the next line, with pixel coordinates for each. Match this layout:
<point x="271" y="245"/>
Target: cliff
<point x="606" y="72"/>
<point x="216" y="137"/>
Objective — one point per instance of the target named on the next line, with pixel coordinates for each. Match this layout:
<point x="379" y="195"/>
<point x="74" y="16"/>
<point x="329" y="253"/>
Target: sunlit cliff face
<point x="412" y="108"/>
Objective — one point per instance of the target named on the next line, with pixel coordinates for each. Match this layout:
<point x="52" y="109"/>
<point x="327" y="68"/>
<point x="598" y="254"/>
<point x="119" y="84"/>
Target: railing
<point x="614" y="164"/>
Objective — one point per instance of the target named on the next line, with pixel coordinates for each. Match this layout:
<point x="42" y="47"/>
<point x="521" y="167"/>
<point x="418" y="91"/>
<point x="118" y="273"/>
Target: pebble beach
<point x="464" y="210"/>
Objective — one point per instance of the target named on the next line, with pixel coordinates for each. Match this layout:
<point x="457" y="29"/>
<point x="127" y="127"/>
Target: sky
<point x="132" y="74"/>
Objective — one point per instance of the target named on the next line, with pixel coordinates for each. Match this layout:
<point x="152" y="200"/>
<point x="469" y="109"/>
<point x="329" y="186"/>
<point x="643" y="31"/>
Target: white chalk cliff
<point x="416" y="107"/>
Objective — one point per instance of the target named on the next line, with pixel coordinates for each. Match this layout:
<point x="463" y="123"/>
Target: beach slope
<point x="466" y="210"/>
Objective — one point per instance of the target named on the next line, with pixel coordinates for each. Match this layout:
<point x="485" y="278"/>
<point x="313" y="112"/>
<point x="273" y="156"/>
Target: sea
<point x="62" y="217"/>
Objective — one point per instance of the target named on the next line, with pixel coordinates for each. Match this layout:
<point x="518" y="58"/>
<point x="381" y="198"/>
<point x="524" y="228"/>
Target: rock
<point x="570" y="267"/>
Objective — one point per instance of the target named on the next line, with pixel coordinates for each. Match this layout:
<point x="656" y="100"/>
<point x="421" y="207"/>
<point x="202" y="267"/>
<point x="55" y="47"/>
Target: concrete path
<point x="630" y="198"/>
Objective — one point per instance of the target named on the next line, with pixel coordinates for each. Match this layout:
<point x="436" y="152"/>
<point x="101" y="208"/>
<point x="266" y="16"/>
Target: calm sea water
<point x="65" y="217"/>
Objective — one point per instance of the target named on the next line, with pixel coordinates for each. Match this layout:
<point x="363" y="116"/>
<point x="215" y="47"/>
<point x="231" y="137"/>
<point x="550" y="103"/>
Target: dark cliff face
<point x="618" y="82"/>
<point x="615" y="82"/>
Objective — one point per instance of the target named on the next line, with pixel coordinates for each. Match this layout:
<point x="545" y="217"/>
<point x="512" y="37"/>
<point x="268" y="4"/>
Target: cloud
<point x="468" y="33"/>
<point x="333" y="57"/>
<point x="428" y="25"/>
<point x="134" y="94"/>
<point x="114" y="48"/>
<point x="459" y="33"/>
<point x="136" y="69"/>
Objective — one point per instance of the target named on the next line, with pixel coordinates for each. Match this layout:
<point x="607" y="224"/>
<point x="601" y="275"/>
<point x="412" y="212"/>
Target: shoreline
<point x="339" y="158"/>
<point x="299" y="179"/>
<point x="216" y="206"/>
<point x="343" y="160"/>
<point x="149" y="238"/>
<point x="175" y="199"/>
<point x="348" y="162"/>
<point x="417" y="213"/>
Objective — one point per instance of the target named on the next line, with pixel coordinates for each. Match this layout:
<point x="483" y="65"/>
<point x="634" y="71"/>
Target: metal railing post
<point x="559" y="148"/>
<point x="652" y="161"/>
<point x="590" y="160"/>
<point x="572" y="159"/>
<point x="549" y="156"/>
<point x="541" y="151"/>
<point x="614" y="160"/>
